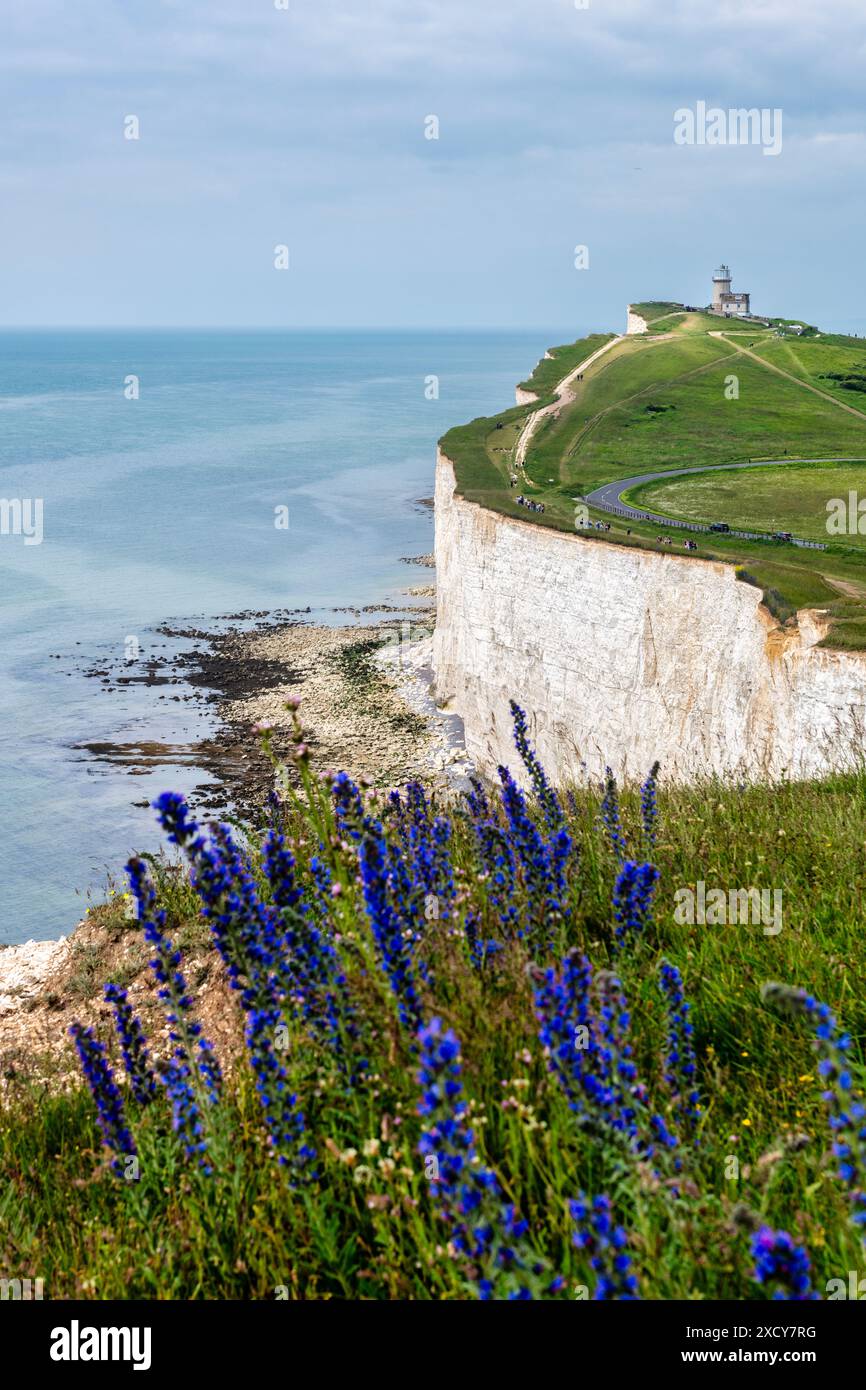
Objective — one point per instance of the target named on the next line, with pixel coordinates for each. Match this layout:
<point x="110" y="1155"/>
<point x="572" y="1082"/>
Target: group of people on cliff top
<point x="529" y="503"/>
<point x="666" y="540"/>
<point x="534" y="506"/>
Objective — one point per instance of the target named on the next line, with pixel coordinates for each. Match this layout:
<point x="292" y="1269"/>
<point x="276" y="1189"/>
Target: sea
<point x="152" y="478"/>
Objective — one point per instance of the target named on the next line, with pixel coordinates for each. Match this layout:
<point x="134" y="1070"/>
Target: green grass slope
<point x="697" y="390"/>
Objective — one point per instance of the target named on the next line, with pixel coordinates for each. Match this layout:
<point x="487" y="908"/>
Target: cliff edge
<point x="622" y="656"/>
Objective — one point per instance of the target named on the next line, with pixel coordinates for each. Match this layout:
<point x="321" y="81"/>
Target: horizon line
<point x="276" y="328"/>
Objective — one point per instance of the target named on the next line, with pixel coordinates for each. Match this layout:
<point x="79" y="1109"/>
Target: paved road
<point x="609" y="496"/>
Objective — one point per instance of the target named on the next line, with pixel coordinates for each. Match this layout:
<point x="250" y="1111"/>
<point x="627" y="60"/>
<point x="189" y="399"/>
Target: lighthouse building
<point x="725" y="301"/>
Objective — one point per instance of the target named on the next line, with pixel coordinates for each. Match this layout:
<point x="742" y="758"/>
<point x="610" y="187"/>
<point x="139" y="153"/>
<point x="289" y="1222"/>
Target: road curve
<point x="608" y="497"/>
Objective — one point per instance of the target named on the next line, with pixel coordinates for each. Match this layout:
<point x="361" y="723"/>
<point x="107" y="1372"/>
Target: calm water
<point x="163" y="508"/>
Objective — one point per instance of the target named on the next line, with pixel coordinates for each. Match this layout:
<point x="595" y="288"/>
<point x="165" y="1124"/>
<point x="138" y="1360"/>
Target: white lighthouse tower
<point x="721" y="286"/>
<point x="725" y="301"/>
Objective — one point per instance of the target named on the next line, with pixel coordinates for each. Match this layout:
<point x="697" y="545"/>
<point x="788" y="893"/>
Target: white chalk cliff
<point x="622" y="656"/>
<point x="634" y="322"/>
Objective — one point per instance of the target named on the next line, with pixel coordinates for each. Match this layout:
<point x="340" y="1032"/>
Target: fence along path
<point x="634" y="515"/>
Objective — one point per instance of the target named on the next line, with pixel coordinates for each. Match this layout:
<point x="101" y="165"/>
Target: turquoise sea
<point x="162" y="509"/>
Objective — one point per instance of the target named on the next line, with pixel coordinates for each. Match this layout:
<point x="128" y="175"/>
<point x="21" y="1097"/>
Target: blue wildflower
<point x="781" y="1263"/>
<point x="500" y="873"/>
<point x="284" y="1119"/>
<point x="547" y="798"/>
<point x="542" y="864"/>
<point x="610" y="816"/>
<point x="632" y="900"/>
<point x="247" y="934"/>
<point x="317" y="979"/>
<point x="348" y="806"/>
<point x="192" y="1076"/>
<point x="583" y="1025"/>
<point x="649" y="806"/>
<point x="442" y="885"/>
<point x="133" y="1046"/>
<point x="109" y="1103"/>
<point x="847" y="1115"/>
<point x="387" y="909"/>
<point x="680" y="1062"/>
<point x="476" y="799"/>
<point x="597" y="1234"/>
<point x="265" y="962"/>
<point x="481" y="950"/>
<point x="484" y="1229"/>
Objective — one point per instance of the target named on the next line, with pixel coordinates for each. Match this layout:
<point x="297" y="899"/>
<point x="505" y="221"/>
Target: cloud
<point x="260" y="125"/>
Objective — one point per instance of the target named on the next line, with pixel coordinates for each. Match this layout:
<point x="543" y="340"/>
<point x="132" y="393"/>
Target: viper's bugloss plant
<point x="133" y="1046"/>
<point x="109" y="1102"/>
<point x="846" y="1113"/>
<point x="318" y="987"/>
<point x="388" y="901"/>
<point x="542" y="866"/>
<point x="636" y="878"/>
<point x="442" y="886"/>
<point x="583" y="1026"/>
<point x="560" y="846"/>
<point x="498" y="865"/>
<point x="477" y="800"/>
<point x="680" y="1060"/>
<point x="610" y="816"/>
<point x="284" y="1119"/>
<point x="348" y="806"/>
<point x="547" y="798"/>
<point x="597" y="1234"/>
<point x="632" y="900"/>
<point x="192" y="1075"/>
<point x="649" y="807"/>
<point x="485" y="1230"/>
<point x="782" y="1265"/>
<point x="247" y="935"/>
<point x="276" y="958"/>
<point x="481" y="950"/>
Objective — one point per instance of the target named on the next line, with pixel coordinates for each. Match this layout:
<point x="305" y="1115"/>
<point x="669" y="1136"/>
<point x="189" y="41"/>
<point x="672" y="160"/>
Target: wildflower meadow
<point x="480" y="1058"/>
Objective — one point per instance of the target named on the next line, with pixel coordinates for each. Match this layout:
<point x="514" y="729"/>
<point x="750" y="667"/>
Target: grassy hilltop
<point x="664" y="400"/>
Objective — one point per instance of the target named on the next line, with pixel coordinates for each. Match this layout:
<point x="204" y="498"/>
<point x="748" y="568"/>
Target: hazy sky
<point x="262" y="126"/>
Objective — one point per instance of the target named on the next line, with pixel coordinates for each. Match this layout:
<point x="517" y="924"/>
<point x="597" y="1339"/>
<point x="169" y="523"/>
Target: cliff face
<point x="622" y="656"/>
<point x="634" y="322"/>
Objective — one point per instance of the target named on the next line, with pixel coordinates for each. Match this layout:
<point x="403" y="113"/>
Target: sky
<point x="306" y="126"/>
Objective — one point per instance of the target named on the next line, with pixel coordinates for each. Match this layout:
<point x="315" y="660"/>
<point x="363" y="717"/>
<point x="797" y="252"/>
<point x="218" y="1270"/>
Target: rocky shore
<point x="366" y="708"/>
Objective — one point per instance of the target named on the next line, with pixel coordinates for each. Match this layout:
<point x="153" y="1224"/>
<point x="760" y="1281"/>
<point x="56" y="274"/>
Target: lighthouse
<point x="725" y="301"/>
<point x="721" y="286"/>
